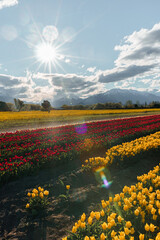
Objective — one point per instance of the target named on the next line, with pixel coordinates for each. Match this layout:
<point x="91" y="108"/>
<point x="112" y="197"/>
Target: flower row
<point x="63" y="114"/>
<point x="132" y="214"/>
<point x="24" y="151"/>
<point x="125" y="151"/>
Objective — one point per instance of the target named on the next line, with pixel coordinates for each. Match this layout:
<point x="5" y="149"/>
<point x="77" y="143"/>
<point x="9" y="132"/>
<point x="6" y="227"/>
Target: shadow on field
<point x="85" y="194"/>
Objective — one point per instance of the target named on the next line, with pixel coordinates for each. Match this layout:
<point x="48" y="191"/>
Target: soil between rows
<point x="85" y="194"/>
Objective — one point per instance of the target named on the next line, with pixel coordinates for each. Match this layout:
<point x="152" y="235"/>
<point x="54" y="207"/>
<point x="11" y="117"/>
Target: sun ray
<point x="79" y="31"/>
<point x="86" y="58"/>
<point x="58" y="13"/>
<point x="44" y="52"/>
<point x="59" y="65"/>
<point x="71" y="37"/>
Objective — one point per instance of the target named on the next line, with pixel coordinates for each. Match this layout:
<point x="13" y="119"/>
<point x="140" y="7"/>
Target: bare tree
<point x="18" y="103"/>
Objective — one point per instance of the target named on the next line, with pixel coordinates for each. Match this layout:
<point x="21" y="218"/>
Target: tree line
<point x="111" y="105"/>
<point x="19" y="105"/>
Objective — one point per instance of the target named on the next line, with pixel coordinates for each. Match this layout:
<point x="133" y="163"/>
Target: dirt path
<point x="61" y="124"/>
<point x="85" y="194"/>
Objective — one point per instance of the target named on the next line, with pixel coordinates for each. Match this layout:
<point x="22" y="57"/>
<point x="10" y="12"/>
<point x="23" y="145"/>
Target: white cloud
<point x="139" y="57"/>
<point x="57" y="86"/>
<point x="72" y="85"/>
<point x="91" y="69"/>
<point x="8" y="3"/>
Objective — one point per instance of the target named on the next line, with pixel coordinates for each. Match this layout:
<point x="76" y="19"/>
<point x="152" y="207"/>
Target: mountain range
<point x="114" y="95"/>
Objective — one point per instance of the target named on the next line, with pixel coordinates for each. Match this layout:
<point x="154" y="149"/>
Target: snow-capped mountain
<point x="114" y="95"/>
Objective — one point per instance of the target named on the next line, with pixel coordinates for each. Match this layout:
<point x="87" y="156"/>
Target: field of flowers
<point x="127" y="151"/>
<point x="37" y="115"/>
<point x="72" y="179"/>
<point x="37" y="119"/>
<point x="132" y="214"/>
<point x="24" y="152"/>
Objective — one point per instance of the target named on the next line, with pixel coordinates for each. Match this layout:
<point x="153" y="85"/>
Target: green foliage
<point x="66" y="196"/>
<point x="37" y="201"/>
<point x="31" y="107"/>
<point x="4" y="106"/>
<point x="46" y="105"/>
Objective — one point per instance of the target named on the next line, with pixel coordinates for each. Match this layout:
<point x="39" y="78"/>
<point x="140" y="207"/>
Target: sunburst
<point x="46" y="53"/>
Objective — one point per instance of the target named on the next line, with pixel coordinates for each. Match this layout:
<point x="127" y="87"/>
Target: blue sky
<point x="66" y="48"/>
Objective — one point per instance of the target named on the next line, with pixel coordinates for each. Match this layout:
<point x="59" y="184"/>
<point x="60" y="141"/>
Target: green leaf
<point x="61" y="182"/>
<point x="62" y="196"/>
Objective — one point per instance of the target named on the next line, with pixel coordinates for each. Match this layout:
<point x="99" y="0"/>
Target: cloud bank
<point x="8" y="3"/>
<point x="139" y="56"/>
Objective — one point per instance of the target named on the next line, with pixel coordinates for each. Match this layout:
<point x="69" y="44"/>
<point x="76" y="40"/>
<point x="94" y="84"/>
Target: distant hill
<point x="114" y="95"/>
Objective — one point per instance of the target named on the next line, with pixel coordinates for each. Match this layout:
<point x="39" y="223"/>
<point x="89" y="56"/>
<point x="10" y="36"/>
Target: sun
<point x="45" y="53"/>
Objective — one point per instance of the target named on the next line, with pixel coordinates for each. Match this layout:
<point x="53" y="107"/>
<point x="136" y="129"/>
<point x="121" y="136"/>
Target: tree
<point x="129" y="104"/>
<point x="46" y="105"/>
<point x="18" y="103"/>
<point x="4" y="106"/>
<point x="11" y="107"/>
<point x="66" y="107"/>
<point x="99" y="106"/>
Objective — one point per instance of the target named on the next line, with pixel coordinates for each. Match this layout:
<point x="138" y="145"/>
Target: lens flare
<point x="81" y="129"/>
<point x="105" y="184"/>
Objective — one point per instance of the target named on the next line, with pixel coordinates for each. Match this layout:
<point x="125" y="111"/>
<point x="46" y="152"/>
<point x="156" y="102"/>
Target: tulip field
<point x="101" y="181"/>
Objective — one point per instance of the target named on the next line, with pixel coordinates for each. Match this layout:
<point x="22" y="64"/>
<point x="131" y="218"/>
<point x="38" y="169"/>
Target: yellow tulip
<point x="86" y="238"/>
<point x="41" y="195"/>
<point x="119" y="219"/>
<point x="27" y="205"/>
<point x="83" y="224"/>
<point x="147" y="228"/>
<point x="97" y="215"/>
<point x="152" y="227"/>
<point x="92" y="238"/>
<point x="128" y="224"/>
<point x="132" y="230"/>
<point x="35" y="191"/>
<point x="90" y="220"/>
<point x="141" y="237"/>
<point x="65" y="238"/>
<point x="92" y="214"/>
<point x="136" y="212"/>
<point x="74" y="229"/>
<point x="68" y="187"/>
<point x="33" y="195"/>
<point x="104" y="226"/>
<point x="113" y="233"/>
<point x="83" y="217"/>
<point x="102" y="236"/>
<point x="127" y="231"/>
<point x="102" y="213"/>
<point x="46" y="193"/>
